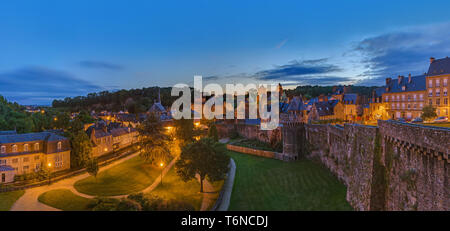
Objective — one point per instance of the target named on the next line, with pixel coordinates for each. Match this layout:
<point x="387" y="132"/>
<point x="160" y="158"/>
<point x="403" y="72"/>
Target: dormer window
<point x="403" y="88"/>
<point x="25" y="147"/>
<point x="14" y="148"/>
<point x="3" y="149"/>
<point x="36" y="147"/>
<point x="59" y="145"/>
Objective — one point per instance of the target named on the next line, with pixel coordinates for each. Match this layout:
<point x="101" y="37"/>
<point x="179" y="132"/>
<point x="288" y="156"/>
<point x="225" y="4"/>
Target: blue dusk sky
<point x="54" y="49"/>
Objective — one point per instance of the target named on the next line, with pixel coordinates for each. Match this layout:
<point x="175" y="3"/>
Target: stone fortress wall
<point x="395" y="166"/>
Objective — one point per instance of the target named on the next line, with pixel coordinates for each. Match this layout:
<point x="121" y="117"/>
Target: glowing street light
<point x="161" y="165"/>
<point x="49" y="165"/>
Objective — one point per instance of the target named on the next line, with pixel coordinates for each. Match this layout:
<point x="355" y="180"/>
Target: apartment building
<point x="26" y="153"/>
<point x="437" y="85"/>
<point x="405" y="97"/>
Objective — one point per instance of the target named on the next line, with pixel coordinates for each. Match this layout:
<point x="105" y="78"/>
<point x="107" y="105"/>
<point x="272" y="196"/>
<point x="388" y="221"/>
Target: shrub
<point x="128" y="205"/>
<point x="147" y="202"/>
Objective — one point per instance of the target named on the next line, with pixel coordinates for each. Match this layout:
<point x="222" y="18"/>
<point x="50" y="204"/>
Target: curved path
<point x="29" y="200"/>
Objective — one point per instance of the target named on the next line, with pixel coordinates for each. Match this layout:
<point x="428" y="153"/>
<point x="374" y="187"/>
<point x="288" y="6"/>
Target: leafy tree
<point x="61" y="120"/>
<point x="148" y="202"/>
<point x="212" y="133"/>
<point x="128" y="205"/>
<point x="81" y="149"/>
<point x="153" y="140"/>
<point x="92" y="167"/>
<point x="204" y="158"/>
<point x="428" y="112"/>
<point x="184" y="131"/>
<point x="85" y="117"/>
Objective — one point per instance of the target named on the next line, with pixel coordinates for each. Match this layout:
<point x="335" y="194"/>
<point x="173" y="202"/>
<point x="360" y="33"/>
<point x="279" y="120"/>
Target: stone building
<point x="107" y="138"/>
<point x="437" y="79"/>
<point x="405" y="97"/>
<point x="27" y="153"/>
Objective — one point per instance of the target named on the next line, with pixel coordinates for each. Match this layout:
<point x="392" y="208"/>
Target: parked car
<point x="441" y="119"/>
<point x="401" y="120"/>
<point x="417" y="120"/>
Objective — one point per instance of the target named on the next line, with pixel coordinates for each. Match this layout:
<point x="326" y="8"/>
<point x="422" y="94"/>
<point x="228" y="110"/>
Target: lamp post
<point x="162" y="169"/>
<point x="49" y="165"/>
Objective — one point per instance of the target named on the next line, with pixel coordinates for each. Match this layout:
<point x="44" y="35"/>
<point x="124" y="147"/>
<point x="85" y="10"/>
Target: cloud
<point x="281" y="44"/>
<point x="100" y="65"/>
<point x="402" y="52"/>
<point x="297" y="70"/>
<point x="38" y="85"/>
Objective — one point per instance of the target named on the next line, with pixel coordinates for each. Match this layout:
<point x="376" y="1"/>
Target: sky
<point x="56" y="49"/>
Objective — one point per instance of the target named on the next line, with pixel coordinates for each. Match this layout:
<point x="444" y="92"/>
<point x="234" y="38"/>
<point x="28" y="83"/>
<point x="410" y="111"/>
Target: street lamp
<point x="49" y="165"/>
<point x="161" y="165"/>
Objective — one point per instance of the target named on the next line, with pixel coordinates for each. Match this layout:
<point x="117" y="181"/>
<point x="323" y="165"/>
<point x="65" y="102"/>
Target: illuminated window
<point x="14" y="148"/>
<point x="430" y="92"/>
<point x="437" y="83"/>
<point x="25" y="147"/>
<point x="36" y="147"/>
<point x="430" y="83"/>
<point x="438" y="92"/>
<point x="59" y="145"/>
<point x="3" y="149"/>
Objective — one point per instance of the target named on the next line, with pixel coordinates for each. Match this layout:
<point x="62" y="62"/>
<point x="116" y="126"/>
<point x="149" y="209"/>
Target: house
<point x="378" y="108"/>
<point x="323" y="111"/>
<point x="107" y="138"/>
<point x="29" y="152"/>
<point x="437" y="79"/>
<point x="405" y="97"/>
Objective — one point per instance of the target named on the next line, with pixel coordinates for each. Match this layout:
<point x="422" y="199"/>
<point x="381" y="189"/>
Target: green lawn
<point x="7" y="199"/>
<point x="65" y="200"/>
<point x="174" y="188"/>
<point x="264" y="184"/>
<point x="128" y="177"/>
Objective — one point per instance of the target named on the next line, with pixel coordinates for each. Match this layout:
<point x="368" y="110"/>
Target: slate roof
<point x="326" y="107"/>
<point x="418" y="83"/>
<point x="157" y="107"/>
<point x="296" y="104"/>
<point x="10" y="132"/>
<point x="379" y="91"/>
<point x="121" y="131"/>
<point x="29" y="137"/>
<point x="439" y="67"/>
<point x="5" y="168"/>
<point x="350" y="98"/>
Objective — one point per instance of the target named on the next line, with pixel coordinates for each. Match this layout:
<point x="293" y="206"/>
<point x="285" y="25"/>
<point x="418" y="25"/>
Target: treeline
<point x="133" y="100"/>
<point x="313" y="91"/>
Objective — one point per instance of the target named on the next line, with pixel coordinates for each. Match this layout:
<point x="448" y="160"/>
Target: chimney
<point x="388" y="80"/>
<point x="409" y="78"/>
<point x="431" y="59"/>
<point x="400" y="79"/>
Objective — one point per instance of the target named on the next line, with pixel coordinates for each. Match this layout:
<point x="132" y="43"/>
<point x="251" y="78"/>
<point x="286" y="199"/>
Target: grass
<point x="7" y="199"/>
<point x="174" y="188"/>
<point x="263" y="184"/>
<point x="128" y="177"/>
<point x="65" y="200"/>
<point x="252" y="143"/>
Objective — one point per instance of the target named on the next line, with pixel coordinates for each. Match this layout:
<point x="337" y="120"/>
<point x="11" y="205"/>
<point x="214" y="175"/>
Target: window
<point x="403" y="105"/>
<point x="438" y="101"/>
<point x="409" y="97"/>
<point x="430" y="92"/>
<point x="421" y="105"/>
<point x="25" y="168"/>
<point x="438" y="92"/>
<point x="415" y="97"/>
<point x="59" y="146"/>
<point x="15" y="161"/>
<point x="36" y="147"/>
<point x="430" y="83"/>
<point x="445" y="91"/>
<point x="14" y="148"/>
<point x="3" y="149"/>
<point x="25" y="147"/>
<point x="36" y="157"/>
<point x="437" y="83"/>
<point x="398" y="105"/>
<point x="445" y="101"/>
<point x="421" y="96"/>
<point x="2" y="162"/>
<point x="26" y="159"/>
<point x="58" y="161"/>
<point x="430" y="101"/>
<point x="445" y="82"/>
<point x="38" y="166"/>
<point x="398" y="97"/>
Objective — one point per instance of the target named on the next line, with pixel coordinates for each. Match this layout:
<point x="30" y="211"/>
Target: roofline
<point x="442" y="75"/>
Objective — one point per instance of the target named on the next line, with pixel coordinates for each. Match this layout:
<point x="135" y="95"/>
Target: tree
<point x="184" y="131"/>
<point x="92" y="167"/>
<point x="153" y="140"/>
<point x="428" y="112"/>
<point x="203" y="157"/>
<point x="212" y="133"/>
<point x="81" y="148"/>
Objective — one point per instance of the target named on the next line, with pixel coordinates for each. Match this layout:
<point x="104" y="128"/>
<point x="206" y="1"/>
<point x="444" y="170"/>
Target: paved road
<point x="29" y="200"/>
